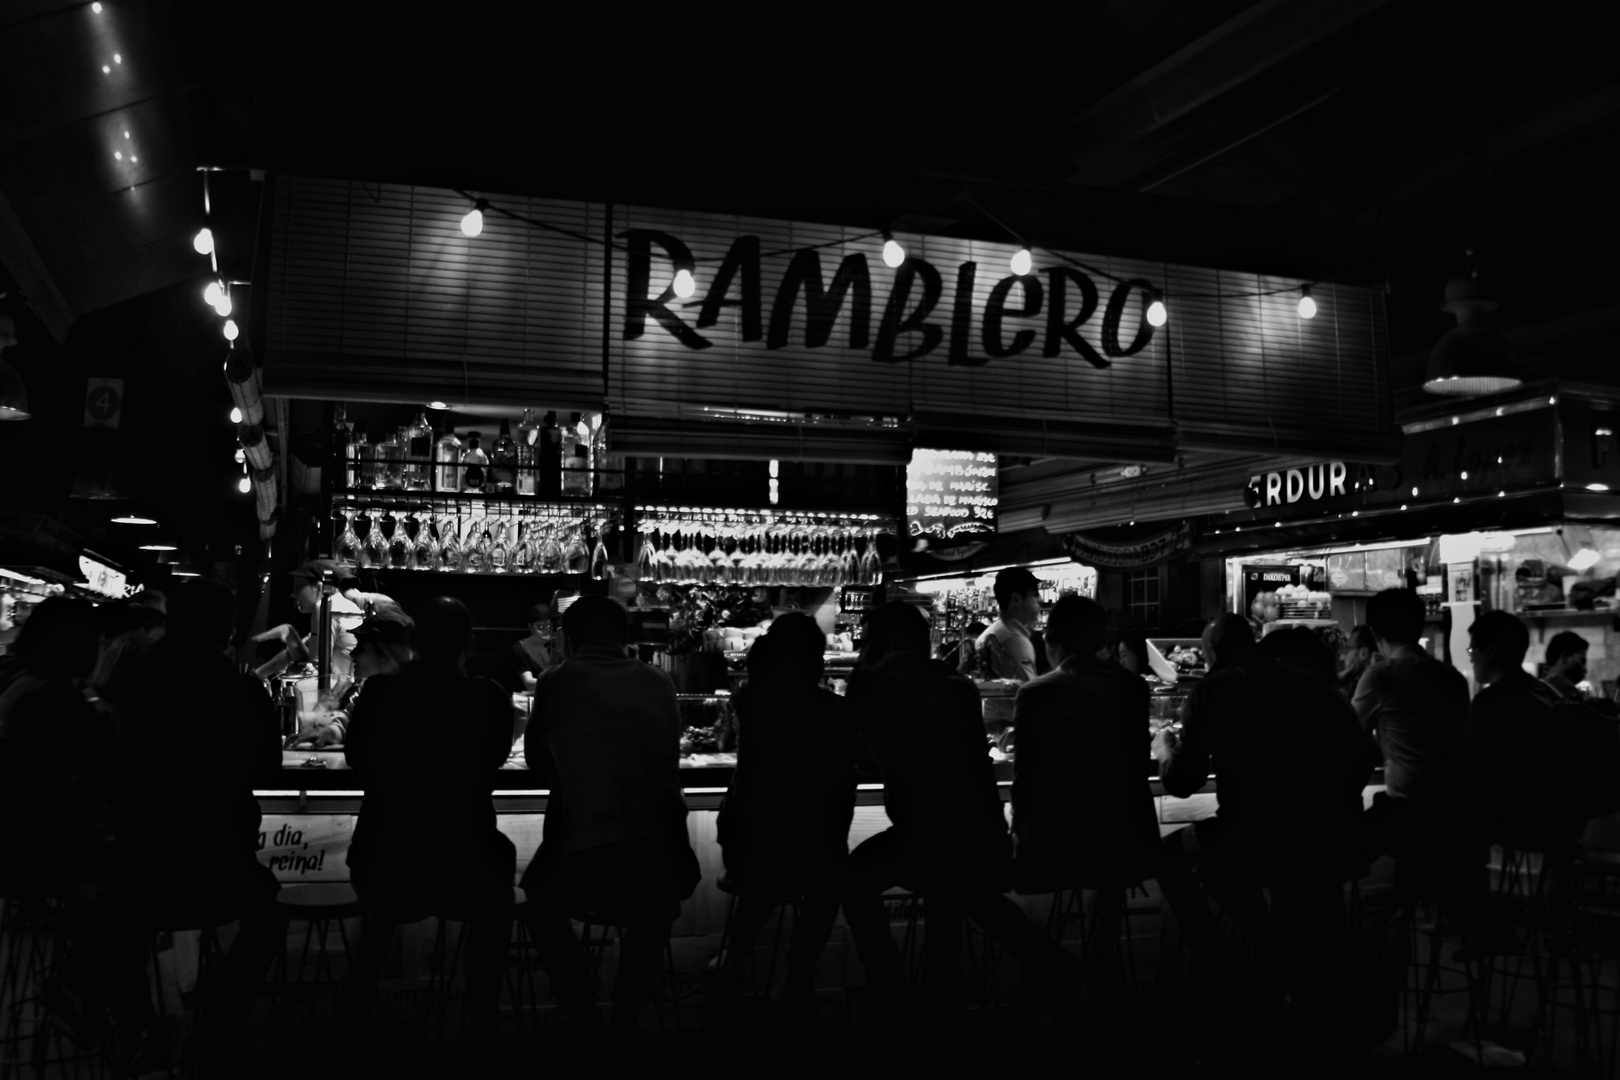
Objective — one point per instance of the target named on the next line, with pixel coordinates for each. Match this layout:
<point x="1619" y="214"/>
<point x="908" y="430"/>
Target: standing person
<point x="605" y="731"/>
<point x="1566" y="665"/>
<point x="1127" y="645"/>
<point x="429" y="727"/>
<point x="1359" y="652"/>
<point x="949" y="839"/>
<point x="1417" y="709"/>
<point x="537" y="653"/>
<point x="784" y="827"/>
<point x="311" y="581"/>
<point x="1083" y="812"/>
<point x="206" y="781"/>
<point x="382" y="646"/>
<point x="1006" y="642"/>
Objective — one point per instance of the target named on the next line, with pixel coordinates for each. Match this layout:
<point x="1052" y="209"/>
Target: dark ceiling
<point x="1343" y="139"/>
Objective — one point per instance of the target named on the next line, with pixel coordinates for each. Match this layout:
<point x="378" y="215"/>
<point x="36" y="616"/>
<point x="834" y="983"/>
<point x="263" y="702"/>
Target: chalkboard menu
<point x="951" y="494"/>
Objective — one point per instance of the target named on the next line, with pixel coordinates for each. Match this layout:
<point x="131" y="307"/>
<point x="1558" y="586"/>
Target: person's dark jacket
<point x="1516" y="698"/>
<point x="56" y="757"/>
<point x="198" y="737"/>
<point x="1272" y="734"/>
<point x="922" y="723"/>
<point x="785" y="821"/>
<point x="1082" y="808"/>
<point x="427" y="745"/>
<point x="605" y="731"/>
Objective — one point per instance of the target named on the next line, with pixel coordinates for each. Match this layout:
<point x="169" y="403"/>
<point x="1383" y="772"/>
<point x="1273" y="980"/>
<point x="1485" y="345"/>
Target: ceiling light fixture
<point x="893" y="253"/>
<point x="230" y="330"/>
<point x="1022" y="262"/>
<point x="204" y="241"/>
<point x="212" y="293"/>
<point x="1307" y="306"/>
<point x="473" y="222"/>
<point x="1157" y="314"/>
<point x="244" y="485"/>
<point x="684" y="284"/>
<point x="132" y="518"/>
<point x="236" y="415"/>
<point x="1470" y="358"/>
<point x="158" y="545"/>
<point x="222" y="306"/>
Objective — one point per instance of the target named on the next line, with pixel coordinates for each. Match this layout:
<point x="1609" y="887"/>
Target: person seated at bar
<point x="784" y="825"/>
<point x="125" y="642"/>
<point x="1497" y="644"/>
<point x="1356" y="655"/>
<point x="1127" y="644"/>
<point x="949" y="840"/>
<point x="537" y="652"/>
<point x="205" y="780"/>
<point x="382" y="646"/>
<point x="1416" y="707"/>
<point x="56" y="755"/>
<point x="1566" y="665"/>
<point x="1083" y="811"/>
<point x="427" y="743"/>
<point x="605" y="733"/>
<point x="1250" y="721"/>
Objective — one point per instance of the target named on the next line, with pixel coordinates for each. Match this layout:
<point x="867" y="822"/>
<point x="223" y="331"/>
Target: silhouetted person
<point x="1281" y="800"/>
<point x="1083" y="811"/>
<point x="1127" y="645"/>
<point x="1508" y="695"/>
<point x="1417" y="709"/>
<point x="1566" y="665"/>
<point x="56" y="757"/>
<point x="1356" y="655"/>
<point x="427" y="743"/>
<point x="382" y="646"/>
<point x="203" y="784"/>
<point x="605" y="732"/>
<point x="784" y="827"/>
<point x="948" y="841"/>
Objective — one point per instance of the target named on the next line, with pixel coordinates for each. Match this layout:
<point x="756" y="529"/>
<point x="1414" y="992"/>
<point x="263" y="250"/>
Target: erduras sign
<point x="1312" y="483"/>
<point x="1023" y="314"/>
<point x="950" y="494"/>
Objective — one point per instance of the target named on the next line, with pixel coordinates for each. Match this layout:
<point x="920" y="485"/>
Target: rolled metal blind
<point x="375" y="294"/>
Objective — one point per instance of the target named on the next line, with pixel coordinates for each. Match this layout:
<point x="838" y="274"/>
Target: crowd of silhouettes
<point x="1294" y="724"/>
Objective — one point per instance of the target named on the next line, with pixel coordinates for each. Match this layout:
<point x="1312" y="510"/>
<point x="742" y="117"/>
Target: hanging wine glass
<point x="347" y="547"/>
<point x="500" y="549"/>
<point x="719" y="561"/>
<point x="522" y="557"/>
<point x="849" y="563"/>
<point x="871" y="562"/>
<point x="664" y="568"/>
<point x="374" y="552"/>
<point x="828" y="565"/>
<point x="647" y="556"/>
<point x="425" y="548"/>
<point x="450" y="543"/>
<point x="576" y="556"/>
<point x="695" y="568"/>
<point x="399" y="542"/>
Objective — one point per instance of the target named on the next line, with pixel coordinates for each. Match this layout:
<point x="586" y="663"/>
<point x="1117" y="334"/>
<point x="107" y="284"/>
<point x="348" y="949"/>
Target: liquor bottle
<point x="447" y="463"/>
<point x="499" y="550"/>
<point x="503" y="461"/>
<point x="576" y="477"/>
<point x="550" y="452"/>
<point x="347" y="549"/>
<point x="528" y="433"/>
<point x="610" y="466"/>
<point x="389" y="457"/>
<point x="374" y="553"/>
<point x="357" y="466"/>
<point x="474" y="464"/>
<point x="417" y="439"/>
<point x="341" y="432"/>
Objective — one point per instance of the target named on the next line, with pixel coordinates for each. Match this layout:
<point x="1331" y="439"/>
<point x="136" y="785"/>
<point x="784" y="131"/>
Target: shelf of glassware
<point x="422" y="498"/>
<point x="494" y="539"/>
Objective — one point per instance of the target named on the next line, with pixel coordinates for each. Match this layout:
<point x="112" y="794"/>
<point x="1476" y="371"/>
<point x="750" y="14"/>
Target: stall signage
<point x="1140" y="554"/>
<point x="1314" y="483"/>
<point x="101" y="578"/>
<point x="951" y="494"/>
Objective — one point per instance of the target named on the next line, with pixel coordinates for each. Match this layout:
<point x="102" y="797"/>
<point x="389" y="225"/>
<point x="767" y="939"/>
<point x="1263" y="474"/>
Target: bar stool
<point x="31" y="1039"/>
<point x="795" y="901"/>
<point x="600" y="929"/>
<point x="318" y="905"/>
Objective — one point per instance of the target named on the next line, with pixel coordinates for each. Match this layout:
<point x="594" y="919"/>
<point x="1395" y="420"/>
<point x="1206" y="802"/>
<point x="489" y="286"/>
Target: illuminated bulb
<point x="1022" y="261"/>
<point x="126" y="134"/>
<point x="1307" y="306"/>
<point x="212" y="293"/>
<point x="105" y="70"/>
<point x="96" y="7"/>
<point x="133" y="159"/>
<point x="1414" y="493"/>
<point x="118" y="155"/>
<point x="241" y="455"/>
<point x="223" y="305"/>
<point x="1465" y="474"/>
<point x="236" y="417"/>
<point x="203" y="241"/>
<point x="118" y="58"/>
<point x="684" y="285"/>
<point x="1156" y="314"/>
<point x="473" y="223"/>
<point x="893" y="253"/>
<point x="244" y="485"/>
<point x="230" y="330"/>
<point x="437" y="405"/>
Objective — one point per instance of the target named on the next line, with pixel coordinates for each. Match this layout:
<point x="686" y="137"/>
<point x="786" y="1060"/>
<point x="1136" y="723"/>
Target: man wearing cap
<point x="382" y="646"/>
<point x="537" y="652"/>
<point x="348" y="605"/>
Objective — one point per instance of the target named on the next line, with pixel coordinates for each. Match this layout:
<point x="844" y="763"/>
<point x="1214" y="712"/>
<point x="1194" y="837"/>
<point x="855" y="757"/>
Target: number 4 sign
<point x="103" y="402"/>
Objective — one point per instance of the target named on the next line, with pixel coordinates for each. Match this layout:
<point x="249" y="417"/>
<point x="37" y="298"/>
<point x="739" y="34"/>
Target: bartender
<point x="382" y="646"/>
<point x="537" y="652"/>
<point x="348" y="606"/>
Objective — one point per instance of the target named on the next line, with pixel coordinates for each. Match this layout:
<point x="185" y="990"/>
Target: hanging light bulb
<point x="473" y="223"/>
<point x="893" y="253"/>
<point x="1307" y="306"/>
<point x="244" y="485"/>
<point x="1022" y="261"/>
<point x="203" y="241"/>
<point x="1156" y="313"/>
<point x="212" y="293"/>
<point x="236" y="417"/>
<point x="230" y="330"/>
<point x="241" y="454"/>
<point x="222" y="306"/>
<point x="685" y="284"/>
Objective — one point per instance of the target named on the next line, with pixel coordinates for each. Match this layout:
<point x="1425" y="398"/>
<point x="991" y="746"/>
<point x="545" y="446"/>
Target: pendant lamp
<point x="1471" y="358"/>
